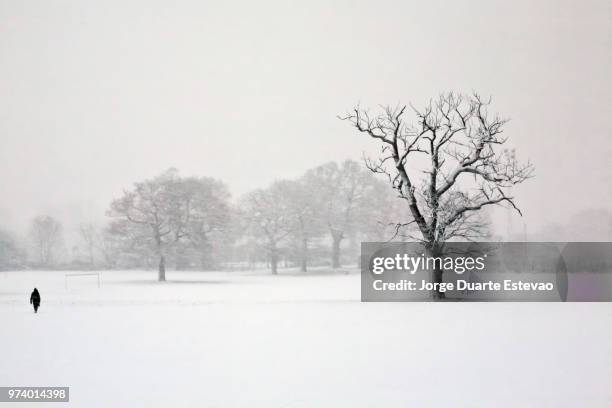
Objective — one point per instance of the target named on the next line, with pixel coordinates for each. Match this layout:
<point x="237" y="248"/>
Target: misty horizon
<point x="96" y="99"/>
<point x="331" y="203"/>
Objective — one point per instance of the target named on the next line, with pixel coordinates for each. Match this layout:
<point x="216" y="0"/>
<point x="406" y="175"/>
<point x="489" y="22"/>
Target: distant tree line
<point x="175" y="222"/>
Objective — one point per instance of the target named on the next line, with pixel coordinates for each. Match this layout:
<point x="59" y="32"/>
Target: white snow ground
<point x="254" y="340"/>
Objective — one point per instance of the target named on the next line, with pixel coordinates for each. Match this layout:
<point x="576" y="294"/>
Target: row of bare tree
<point x="189" y="219"/>
<point x="446" y="162"/>
<point x="192" y="223"/>
<point x="330" y="203"/>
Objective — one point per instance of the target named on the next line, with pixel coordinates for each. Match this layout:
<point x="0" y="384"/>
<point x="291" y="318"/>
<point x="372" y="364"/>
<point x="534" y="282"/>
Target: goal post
<point x="96" y="275"/>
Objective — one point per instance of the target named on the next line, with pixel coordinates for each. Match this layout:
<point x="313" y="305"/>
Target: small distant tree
<point x="345" y="196"/>
<point x="159" y="213"/>
<point x="450" y="139"/>
<point x="110" y="244"/>
<point x="209" y="224"/>
<point x="306" y="224"/>
<point x="268" y="220"/>
<point x="11" y="254"/>
<point x="46" y="237"/>
<point x="89" y="236"/>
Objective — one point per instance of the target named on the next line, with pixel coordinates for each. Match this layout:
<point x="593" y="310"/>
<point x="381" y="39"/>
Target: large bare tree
<point x="447" y="162"/>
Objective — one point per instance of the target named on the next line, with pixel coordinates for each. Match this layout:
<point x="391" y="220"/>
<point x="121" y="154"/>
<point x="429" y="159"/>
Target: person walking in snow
<point x="35" y="300"/>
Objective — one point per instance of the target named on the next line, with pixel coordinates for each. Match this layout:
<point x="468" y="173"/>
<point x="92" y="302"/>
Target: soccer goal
<point x="71" y="277"/>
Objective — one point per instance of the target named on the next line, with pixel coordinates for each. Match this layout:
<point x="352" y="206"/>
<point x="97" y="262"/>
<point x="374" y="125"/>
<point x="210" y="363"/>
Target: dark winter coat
<point x="35" y="297"/>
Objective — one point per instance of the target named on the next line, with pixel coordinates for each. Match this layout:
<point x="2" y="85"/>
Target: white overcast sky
<point x="97" y="95"/>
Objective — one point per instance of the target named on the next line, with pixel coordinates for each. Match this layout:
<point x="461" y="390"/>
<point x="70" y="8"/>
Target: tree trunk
<point x="162" y="269"/>
<point x="304" y="265"/>
<point x="336" y="240"/>
<point x="206" y="260"/>
<point x="437" y="278"/>
<point x="437" y="273"/>
<point x="274" y="262"/>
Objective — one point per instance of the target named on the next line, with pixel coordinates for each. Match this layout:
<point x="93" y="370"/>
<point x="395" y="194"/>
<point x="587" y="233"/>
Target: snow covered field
<point x="254" y="340"/>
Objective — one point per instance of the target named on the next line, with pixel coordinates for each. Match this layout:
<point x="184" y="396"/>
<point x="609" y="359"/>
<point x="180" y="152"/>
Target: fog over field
<point x="188" y="185"/>
<point x="96" y="97"/>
